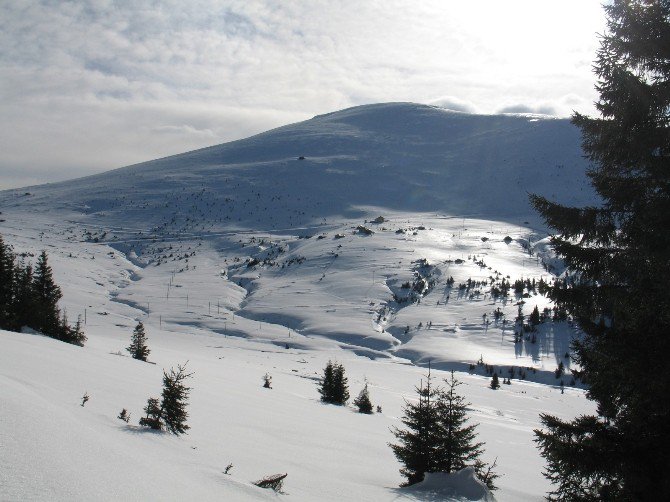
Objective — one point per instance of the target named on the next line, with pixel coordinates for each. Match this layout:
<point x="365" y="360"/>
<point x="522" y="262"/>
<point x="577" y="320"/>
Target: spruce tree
<point x="439" y="438"/>
<point x="7" y="286"/>
<point x="174" y="399"/>
<point x="47" y="293"/>
<point x="340" y="385"/>
<point x="74" y="335"/>
<point x="457" y="446"/>
<point x="363" y="402"/>
<point x="534" y="318"/>
<point x="326" y="385"/>
<point x="333" y="386"/>
<point x="618" y="254"/>
<point x="24" y="301"/>
<point x="153" y="418"/>
<point x="417" y="447"/>
<point x="138" y="343"/>
<point x="495" y="381"/>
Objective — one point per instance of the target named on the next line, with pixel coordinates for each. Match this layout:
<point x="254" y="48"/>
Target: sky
<point x="91" y="85"/>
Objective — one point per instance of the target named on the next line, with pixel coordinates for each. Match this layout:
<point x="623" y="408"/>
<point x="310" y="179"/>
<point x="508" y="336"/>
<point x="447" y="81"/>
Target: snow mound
<point x="457" y="486"/>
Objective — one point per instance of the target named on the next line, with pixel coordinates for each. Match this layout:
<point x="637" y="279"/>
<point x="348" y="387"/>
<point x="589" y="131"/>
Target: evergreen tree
<point x="74" y="335"/>
<point x="486" y="473"/>
<point x="438" y="438"/>
<point x="417" y="447"/>
<point x="30" y="298"/>
<point x="457" y="447"/>
<point x="154" y="414"/>
<point x="174" y="399"/>
<point x="24" y="298"/>
<point x="47" y="293"/>
<point x="124" y="415"/>
<point x="341" y="385"/>
<point x="333" y="387"/>
<point x="363" y="402"/>
<point x="7" y="286"/>
<point x="534" y="318"/>
<point x="138" y="343"/>
<point x="326" y="385"/>
<point x="619" y="255"/>
<point x="495" y="381"/>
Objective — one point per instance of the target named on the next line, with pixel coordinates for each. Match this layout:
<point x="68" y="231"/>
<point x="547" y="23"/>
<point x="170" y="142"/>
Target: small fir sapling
<point x="153" y="415"/>
<point x="138" y="344"/>
<point x="495" y="383"/>
<point x="267" y="381"/>
<point x="124" y="415"/>
<point x="174" y="399"/>
<point x="75" y="335"/>
<point x="363" y="402"/>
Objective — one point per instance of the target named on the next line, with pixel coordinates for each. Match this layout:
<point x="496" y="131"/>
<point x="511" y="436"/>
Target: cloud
<point x="521" y="108"/>
<point x="93" y="84"/>
<point x="455" y="104"/>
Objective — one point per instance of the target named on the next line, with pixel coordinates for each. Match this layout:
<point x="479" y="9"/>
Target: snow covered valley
<point x="378" y="236"/>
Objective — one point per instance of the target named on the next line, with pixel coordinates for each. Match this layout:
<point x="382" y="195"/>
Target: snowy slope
<point x="243" y="258"/>
<point x="399" y="156"/>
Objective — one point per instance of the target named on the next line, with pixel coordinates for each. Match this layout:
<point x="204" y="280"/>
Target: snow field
<point x="243" y="259"/>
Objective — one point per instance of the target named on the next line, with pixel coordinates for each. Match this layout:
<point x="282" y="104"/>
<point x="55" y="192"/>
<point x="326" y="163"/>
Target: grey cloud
<point x="521" y="108"/>
<point x="95" y="84"/>
<point x="455" y="104"/>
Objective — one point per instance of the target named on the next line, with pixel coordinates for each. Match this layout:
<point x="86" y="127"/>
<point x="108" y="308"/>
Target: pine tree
<point x="124" y="415"/>
<point x="47" y="293"/>
<point x="363" y="402"/>
<point x="333" y="386"/>
<point x="486" y="473"/>
<point x="495" y="382"/>
<point x="534" y="318"/>
<point x="174" y="399"/>
<point x="418" y="444"/>
<point x="619" y="255"/>
<point x="340" y="385"/>
<point x="138" y="343"/>
<point x="74" y="335"/>
<point x="326" y="385"/>
<point x="7" y="286"/>
<point x="439" y="439"/>
<point x="154" y="414"/>
<point x="23" y="306"/>
<point x="457" y="447"/>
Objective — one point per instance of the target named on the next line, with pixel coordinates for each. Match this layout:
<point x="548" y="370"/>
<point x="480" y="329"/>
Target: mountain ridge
<point x="397" y="155"/>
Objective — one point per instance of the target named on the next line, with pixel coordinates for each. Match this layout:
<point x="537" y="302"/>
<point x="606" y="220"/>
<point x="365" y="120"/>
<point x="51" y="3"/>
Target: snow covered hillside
<point x="379" y="235"/>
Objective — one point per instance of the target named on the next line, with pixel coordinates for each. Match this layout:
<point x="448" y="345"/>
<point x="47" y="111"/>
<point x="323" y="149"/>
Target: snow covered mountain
<point x="399" y="156"/>
<point x="375" y="235"/>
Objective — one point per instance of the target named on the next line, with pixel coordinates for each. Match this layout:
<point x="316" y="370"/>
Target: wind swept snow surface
<point x="374" y="236"/>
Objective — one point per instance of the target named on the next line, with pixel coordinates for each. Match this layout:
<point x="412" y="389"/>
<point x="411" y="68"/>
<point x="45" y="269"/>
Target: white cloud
<point x="455" y="104"/>
<point x="523" y="108"/>
<point x="91" y="85"/>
